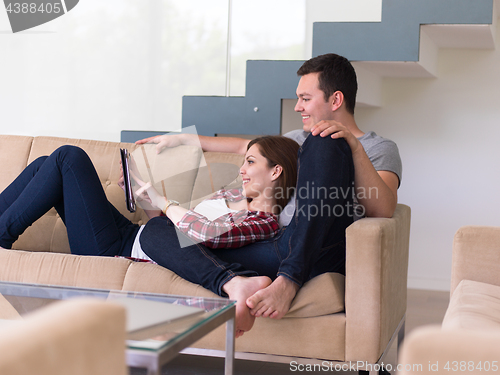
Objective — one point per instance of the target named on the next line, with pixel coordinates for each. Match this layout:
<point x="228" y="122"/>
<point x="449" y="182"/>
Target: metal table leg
<point x="230" y="331"/>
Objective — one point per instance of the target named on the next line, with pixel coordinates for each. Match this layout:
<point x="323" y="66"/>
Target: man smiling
<point x="335" y="153"/>
<point x="326" y="96"/>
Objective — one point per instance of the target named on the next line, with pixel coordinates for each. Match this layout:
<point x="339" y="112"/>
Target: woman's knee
<point x="71" y="154"/>
<point x="37" y="163"/>
<point x="70" y="151"/>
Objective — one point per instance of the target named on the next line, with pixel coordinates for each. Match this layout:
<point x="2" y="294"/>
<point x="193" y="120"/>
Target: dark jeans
<point x="312" y="244"/>
<point x="66" y="180"/>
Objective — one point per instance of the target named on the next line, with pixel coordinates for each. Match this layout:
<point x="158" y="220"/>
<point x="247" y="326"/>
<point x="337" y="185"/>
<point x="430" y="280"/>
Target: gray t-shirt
<point x="382" y="152"/>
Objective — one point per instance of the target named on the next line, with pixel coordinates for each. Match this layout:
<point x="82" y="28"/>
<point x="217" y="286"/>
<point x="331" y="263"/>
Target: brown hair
<point x="336" y="73"/>
<point x="279" y="150"/>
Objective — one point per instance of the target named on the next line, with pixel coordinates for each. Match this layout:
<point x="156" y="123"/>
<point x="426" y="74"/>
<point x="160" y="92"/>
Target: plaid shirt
<point x="232" y="230"/>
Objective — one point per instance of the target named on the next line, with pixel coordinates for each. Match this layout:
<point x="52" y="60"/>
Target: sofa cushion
<point x="322" y="295"/>
<point x="216" y="171"/>
<point x="106" y="159"/>
<point x="63" y="269"/>
<point x="49" y="233"/>
<point x="177" y="167"/>
<point x="13" y="158"/>
<point x="151" y="278"/>
<point x="320" y="337"/>
<point x="474" y="305"/>
<point x="172" y="172"/>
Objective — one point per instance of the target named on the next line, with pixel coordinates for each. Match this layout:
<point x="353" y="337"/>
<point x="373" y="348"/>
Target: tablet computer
<point x="129" y="195"/>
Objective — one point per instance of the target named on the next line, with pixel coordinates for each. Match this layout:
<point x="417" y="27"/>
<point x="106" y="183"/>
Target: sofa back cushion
<point x="184" y="173"/>
<point x="172" y="172"/>
<point x="180" y="164"/>
<point x="49" y="233"/>
<point x="14" y="152"/>
<point x="217" y="170"/>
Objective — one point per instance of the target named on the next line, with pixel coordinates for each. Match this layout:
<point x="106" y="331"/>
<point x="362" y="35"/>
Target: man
<point x="336" y="159"/>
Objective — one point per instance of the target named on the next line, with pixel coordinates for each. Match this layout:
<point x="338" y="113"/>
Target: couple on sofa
<point x="247" y="252"/>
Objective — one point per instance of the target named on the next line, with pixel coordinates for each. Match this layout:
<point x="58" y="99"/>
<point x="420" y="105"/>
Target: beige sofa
<point x="468" y="341"/>
<point x="332" y="318"/>
<point x="77" y="337"/>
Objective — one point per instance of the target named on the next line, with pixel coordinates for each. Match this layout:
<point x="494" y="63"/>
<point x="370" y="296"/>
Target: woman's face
<point x="257" y="176"/>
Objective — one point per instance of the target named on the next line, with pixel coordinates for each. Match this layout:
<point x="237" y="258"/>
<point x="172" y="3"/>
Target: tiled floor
<point x="424" y="307"/>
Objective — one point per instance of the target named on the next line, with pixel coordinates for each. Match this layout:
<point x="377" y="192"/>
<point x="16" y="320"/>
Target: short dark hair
<point x="280" y="150"/>
<point x="336" y="74"/>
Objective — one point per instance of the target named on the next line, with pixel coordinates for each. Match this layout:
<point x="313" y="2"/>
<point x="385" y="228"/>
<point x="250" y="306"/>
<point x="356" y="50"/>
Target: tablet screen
<point x="129" y="195"/>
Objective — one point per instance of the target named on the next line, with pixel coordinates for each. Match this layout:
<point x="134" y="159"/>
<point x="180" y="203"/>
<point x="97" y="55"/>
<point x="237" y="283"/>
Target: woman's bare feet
<point x="239" y="289"/>
<point x="275" y="300"/>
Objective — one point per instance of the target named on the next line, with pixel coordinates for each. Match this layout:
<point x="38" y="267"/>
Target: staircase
<point x="404" y="44"/>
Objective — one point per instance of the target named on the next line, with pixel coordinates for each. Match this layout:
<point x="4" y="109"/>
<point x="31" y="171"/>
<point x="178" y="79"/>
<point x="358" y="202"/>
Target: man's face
<point x="311" y="102"/>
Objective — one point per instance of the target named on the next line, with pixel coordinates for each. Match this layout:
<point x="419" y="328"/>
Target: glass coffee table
<point x="150" y="347"/>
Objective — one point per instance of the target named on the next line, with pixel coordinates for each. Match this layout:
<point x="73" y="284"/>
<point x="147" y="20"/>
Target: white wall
<point x="115" y="65"/>
<point x="447" y="131"/>
<point x="111" y="65"/>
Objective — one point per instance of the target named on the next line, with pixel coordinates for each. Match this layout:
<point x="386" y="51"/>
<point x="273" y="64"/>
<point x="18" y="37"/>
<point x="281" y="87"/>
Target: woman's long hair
<point x="280" y="150"/>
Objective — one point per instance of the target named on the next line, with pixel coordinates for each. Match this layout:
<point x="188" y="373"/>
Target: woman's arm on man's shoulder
<point x="213" y="144"/>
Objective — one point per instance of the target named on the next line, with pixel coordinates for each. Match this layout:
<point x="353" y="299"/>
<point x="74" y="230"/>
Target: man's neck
<point x="348" y="121"/>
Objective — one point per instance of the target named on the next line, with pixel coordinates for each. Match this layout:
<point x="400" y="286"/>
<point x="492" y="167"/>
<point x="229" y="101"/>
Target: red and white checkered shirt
<point x="232" y="230"/>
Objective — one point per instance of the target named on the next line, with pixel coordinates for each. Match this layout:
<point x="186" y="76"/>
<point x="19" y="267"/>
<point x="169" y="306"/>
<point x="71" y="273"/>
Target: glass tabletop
<point x="25" y="298"/>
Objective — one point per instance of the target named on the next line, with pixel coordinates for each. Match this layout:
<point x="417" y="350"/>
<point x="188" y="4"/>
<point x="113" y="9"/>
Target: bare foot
<point x="275" y="300"/>
<point x="239" y="289"/>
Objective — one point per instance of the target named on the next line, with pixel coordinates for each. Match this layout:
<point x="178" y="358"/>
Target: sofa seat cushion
<point x="63" y="269"/>
<point x="322" y="295"/>
<point x="474" y="305"/>
<point x="151" y="278"/>
<point x="320" y="337"/>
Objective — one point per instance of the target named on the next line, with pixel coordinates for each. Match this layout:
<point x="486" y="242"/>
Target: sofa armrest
<point x="79" y="337"/>
<point x="476" y="255"/>
<point x="376" y="282"/>
<point x="431" y="350"/>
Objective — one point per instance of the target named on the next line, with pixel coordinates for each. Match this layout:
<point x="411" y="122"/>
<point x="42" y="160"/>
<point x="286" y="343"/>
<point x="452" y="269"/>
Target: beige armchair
<point x="469" y="339"/>
<point x="77" y="337"/>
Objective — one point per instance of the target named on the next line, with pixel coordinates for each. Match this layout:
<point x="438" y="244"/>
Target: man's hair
<point x="336" y="73"/>
<point x="280" y="150"/>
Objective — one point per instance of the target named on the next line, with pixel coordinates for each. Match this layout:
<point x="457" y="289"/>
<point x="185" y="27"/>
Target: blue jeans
<point x="312" y="244"/>
<point x="66" y="180"/>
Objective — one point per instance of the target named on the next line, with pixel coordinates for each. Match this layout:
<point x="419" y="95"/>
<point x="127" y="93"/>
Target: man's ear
<point x="336" y="100"/>
<point x="277" y="170"/>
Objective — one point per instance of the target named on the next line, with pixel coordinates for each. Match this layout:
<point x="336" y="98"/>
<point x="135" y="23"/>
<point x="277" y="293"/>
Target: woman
<point x="237" y="217"/>
<point x="67" y="180"/>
